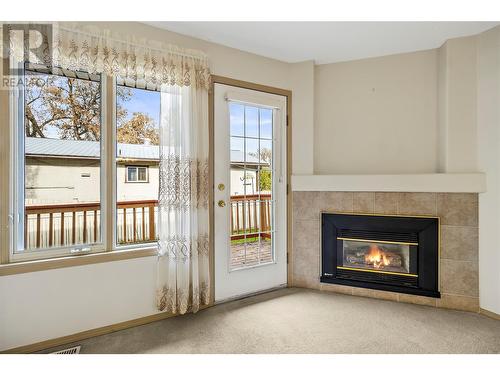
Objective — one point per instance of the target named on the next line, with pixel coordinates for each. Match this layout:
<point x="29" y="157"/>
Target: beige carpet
<point x="306" y="321"/>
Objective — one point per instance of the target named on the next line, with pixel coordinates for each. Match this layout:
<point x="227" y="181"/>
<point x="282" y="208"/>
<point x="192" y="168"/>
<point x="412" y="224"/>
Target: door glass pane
<point x="251" y="208"/>
<point x="266" y="123"/>
<point x="62" y="160"/>
<point x="237" y="119"/>
<point x="137" y="142"/>
<point x="251" y="121"/>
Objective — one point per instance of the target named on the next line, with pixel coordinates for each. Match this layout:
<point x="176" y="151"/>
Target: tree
<point x="265" y="176"/>
<point x="139" y="129"/>
<point x="70" y="108"/>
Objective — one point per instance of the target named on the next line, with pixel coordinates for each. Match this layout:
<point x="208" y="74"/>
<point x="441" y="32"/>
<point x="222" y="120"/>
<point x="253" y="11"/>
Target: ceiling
<point x="326" y="42"/>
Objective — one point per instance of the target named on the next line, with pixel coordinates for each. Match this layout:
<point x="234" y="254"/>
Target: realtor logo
<point x="26" y="42"/>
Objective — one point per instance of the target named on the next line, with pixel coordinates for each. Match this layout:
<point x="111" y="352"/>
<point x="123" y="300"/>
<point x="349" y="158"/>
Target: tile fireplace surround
<point x="458" y="263"/>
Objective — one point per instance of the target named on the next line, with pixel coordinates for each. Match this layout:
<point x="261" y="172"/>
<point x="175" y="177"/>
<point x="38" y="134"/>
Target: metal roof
<point x="90" y="149"/>
<point x="85" y="149"/>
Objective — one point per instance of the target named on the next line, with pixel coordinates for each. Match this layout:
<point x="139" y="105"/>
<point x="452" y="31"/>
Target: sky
<point x="145" y="101"/>
<point x="250" y="129"/>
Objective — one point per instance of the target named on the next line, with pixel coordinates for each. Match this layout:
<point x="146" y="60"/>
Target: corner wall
<point x="488" y="126"/>
<point x="377" y="115"/>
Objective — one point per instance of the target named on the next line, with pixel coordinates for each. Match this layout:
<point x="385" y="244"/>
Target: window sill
<point x="76" y="260"/>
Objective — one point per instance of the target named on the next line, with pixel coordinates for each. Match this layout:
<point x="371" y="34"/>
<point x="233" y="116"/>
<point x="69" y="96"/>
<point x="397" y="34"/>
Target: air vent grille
<point x="73" y="350"/>
<point x="381" y="236"/>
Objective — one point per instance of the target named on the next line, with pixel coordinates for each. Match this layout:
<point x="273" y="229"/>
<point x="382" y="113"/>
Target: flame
<point x="377" y="257"/>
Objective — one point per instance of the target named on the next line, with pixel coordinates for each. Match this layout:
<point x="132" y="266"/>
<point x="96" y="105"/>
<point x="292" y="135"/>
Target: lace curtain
<point x="131" y="60"/>
<point x="182" y="77"/>
<point x="183" y="273"/>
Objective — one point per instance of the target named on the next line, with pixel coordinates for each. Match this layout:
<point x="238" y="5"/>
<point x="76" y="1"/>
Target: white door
<point x="250" y="191"/>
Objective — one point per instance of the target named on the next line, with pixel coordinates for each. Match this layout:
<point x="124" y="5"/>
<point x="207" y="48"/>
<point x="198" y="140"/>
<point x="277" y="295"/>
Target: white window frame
<point x="152" y="245"/>
<point x="137" y="167"/>
<point x="17" y="252"/>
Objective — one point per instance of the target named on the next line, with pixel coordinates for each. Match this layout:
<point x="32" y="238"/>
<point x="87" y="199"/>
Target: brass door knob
<point x="221" y="187"/>
<point x="221" y="203"/>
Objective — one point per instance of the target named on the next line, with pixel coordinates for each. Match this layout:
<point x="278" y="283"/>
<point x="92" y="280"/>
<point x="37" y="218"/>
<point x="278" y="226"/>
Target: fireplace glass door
<point x="367" y="255"/>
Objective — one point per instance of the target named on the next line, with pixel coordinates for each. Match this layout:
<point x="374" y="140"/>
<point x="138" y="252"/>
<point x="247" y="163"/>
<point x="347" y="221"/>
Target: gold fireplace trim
<point x="378" y="241"/>
<point x="375" y="271"/>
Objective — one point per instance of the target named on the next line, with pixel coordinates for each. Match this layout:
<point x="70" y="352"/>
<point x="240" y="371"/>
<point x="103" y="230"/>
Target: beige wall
<point x="488" y="126"/>
<point x="457" y="145"/>
<point x="376" y="115"/>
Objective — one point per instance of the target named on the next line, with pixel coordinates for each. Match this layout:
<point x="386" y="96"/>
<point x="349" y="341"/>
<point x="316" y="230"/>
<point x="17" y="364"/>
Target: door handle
<point x="221" y="203"/>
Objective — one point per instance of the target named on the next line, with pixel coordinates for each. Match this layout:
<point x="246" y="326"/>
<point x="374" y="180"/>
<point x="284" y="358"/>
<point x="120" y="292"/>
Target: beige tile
<point x="459" y="277"/>
<point x="309" y="282"/>
<point x="417" y="204"/>
<point x="459" y="243"/>
<point x="364" y="202"/>
<point x="389" y="296"/>
<point x="305" y="205"/>
<point x="305" y="262"/>
<point x="335" y="201"/>
<point x="458" y="209"/>
<point x="418" y="300"/>
<point x="362" y="292"/>
<point x="450" y="301"/>
<point x="336" y="288"/>
<point x="306" y="235"/>
<point x="386" y="203"/>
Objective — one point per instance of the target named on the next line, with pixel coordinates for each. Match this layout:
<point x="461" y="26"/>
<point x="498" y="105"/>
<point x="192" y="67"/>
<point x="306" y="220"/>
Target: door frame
<point x="211" y="114"/>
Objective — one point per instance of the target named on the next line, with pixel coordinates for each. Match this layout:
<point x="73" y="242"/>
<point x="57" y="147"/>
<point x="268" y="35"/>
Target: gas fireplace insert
<point x="393" y="253"/>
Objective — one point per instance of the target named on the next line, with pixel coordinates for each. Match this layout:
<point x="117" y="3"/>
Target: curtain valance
<point x="100" y="51"/>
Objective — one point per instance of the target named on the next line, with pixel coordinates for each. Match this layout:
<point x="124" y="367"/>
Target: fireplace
<point x="393" y="253"/>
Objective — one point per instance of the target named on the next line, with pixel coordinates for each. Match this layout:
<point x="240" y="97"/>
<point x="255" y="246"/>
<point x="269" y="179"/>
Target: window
<point x="137" y="174"/>
<point x="59" y="165"/>
<point x="137" y="141"/>
<point x="59" y="175"/>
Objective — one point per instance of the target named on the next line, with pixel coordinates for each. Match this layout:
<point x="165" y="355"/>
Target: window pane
<point x="62" y="134"/>
<point x="132" y="174"/>
<point x="251" y="121"/>
<point x="236" y="112"/>
<point x="143" y="174"/>
<point x="138" y="138"/>
<point x="266" y="123"/>
<point x="237" y="150"/>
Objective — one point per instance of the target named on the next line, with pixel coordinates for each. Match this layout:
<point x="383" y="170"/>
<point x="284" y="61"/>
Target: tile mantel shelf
<point x="428" y="182"/>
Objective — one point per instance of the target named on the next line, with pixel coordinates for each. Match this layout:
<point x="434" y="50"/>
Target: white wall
<point x="43" y="305"/>
<point x="488" y="121"/>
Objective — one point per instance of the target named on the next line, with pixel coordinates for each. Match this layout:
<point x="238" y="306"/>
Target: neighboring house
<point x="64" y="171"/>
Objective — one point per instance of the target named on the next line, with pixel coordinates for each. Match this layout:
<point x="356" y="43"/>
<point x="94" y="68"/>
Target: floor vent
<point x="73" y="350"/>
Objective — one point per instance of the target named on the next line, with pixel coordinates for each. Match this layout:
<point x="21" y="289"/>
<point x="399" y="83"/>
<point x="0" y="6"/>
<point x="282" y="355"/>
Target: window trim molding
<point x="72" y="260"/>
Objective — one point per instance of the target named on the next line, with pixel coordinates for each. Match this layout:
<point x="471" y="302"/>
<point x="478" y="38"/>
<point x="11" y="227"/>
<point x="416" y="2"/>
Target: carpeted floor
<point x="307" y="321"/>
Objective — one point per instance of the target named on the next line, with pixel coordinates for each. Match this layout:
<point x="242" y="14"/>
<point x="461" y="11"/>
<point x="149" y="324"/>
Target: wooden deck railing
<point x="79" y="223"/>
<point x="250" y="216"/>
